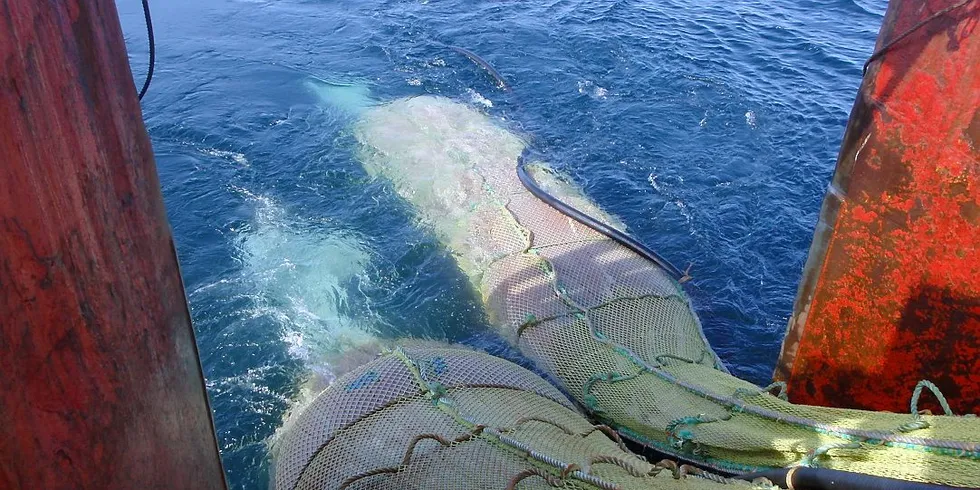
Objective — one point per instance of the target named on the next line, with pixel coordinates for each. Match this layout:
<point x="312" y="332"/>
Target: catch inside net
<point x="614" y="329"/>
<point x="451" y="418"/>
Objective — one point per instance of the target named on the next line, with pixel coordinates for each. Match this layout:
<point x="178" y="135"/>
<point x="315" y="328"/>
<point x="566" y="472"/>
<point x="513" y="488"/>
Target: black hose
<point x="897" y="39"/>
<point x="153" y="54"/>
<point x="533" y="187"/>
<point x="610" y="232"/>
<point x="803" y="478"/>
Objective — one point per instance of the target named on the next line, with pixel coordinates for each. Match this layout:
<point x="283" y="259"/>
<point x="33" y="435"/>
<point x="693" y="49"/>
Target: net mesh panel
<point x="454" y="418"/>
<point x="616" y="331"/>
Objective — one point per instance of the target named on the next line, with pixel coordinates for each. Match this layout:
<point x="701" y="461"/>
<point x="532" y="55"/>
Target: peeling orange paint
<point x="892" y="290"/>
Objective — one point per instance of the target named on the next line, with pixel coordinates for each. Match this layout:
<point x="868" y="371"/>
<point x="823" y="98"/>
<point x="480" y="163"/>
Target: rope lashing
<point x="810" y="459"/>
<point x="745" y="392"/>
<point x="659" y="359"/>
<point x="590" y="400"/>
<point x="683" y="439"/>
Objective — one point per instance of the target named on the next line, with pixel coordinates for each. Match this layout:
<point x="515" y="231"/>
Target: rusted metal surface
<point x="101" y="386"/>
<point x="891" y="290"/>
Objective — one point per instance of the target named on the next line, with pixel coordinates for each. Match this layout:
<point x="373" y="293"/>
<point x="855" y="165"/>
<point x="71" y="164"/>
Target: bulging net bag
<point x="615" y="330"/>
<point x="451" y="418"/>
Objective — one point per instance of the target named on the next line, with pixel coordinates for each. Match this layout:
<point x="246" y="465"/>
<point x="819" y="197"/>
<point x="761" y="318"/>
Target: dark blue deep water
<point x="711" y="128"/>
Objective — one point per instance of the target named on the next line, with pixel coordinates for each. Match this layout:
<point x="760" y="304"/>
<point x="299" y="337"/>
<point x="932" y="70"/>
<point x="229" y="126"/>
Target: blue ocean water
<point x="710" y="128"/>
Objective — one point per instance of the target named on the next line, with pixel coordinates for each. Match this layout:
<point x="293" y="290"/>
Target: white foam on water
<point x="296" y="281"/>
<point x="302" y="272"/>
<point x="350" y="99"/>
<point x="477" y="98"/>
<point x="299" y="278"/>
<point x="588" y="87"/>
<point x="652" y="179"/>
<point x="238" y="158"/>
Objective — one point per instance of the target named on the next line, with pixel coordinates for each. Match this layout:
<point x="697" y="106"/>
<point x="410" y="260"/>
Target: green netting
<point x="423" y="417"/>
<point x="616" y="331"/>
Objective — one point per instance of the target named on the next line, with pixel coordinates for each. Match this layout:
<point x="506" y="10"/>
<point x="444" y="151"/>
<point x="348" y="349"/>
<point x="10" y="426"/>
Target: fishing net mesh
<point x="616" y="332"/>
<point x="453" y="418"/>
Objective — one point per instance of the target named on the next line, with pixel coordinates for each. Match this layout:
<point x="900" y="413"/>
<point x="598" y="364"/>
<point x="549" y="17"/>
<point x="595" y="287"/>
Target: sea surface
<point x="710" y="128"/>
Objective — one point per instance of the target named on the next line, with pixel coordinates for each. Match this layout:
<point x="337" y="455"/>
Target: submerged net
<point x="616" y="331"/>
<point x="453" y="418"/>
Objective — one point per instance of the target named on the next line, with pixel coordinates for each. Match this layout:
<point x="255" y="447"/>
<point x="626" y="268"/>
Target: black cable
<point x="533" y="187"/>
<point x="804" y="478"/>
<point x="610" y="232"/>
<point x="884" y="49"/>
<point x="153" y="55"/>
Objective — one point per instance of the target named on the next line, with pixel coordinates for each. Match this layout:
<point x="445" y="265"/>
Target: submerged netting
<point x="453" y="418"/>
<point x="616" y="331"/>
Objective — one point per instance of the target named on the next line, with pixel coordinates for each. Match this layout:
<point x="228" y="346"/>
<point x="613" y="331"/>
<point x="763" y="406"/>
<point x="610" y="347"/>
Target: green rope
<point x="917" y="421"/>
<point x="810" y="459"/>
<point x="746" y="392"/>
<point x="683" y="439"/>
<point x="914" y="405"/>
<point x="660" y="363"/>
<point x="590" y="400"/>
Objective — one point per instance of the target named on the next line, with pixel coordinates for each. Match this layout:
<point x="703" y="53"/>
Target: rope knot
<point x="683" y="439"/>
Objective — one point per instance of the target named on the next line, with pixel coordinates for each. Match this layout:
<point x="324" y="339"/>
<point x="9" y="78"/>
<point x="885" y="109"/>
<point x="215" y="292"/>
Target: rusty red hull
<point x="891" y="290"/>
<point x="101" y="385"/>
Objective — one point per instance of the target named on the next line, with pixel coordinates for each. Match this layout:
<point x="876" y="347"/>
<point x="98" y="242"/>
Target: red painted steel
<point x="891" y="290"/>
<point x="101" y="386"/>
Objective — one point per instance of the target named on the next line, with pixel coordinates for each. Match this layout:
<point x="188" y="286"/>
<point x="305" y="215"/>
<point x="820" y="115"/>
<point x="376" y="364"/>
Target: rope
<point x="810" y="459"/>
<point x="686" y="470"/>
<point x="887" y="47"/>
<point x="734" y="403"/>
<point x="442" y="400"/>
<point x="441" y="440"/>
<point x="917" y="421"/>
<point x="153" y="50"/>
<point x="407" y="459"/>
<point x="610" y="433"/>
<point x="613" y="460"/>
<point x="914" y="405"/>
<point x="683" y="439"/>
<point x="970" y="449"/>
<point x="591" y="400"/>
<point x="367" y="474"/>
<point x="660" y="357"/>
<point x="550" y="480"/>
<point x="741" y="393"/>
